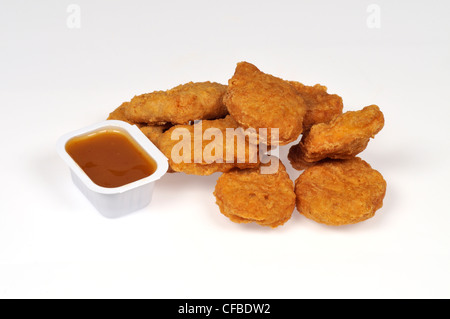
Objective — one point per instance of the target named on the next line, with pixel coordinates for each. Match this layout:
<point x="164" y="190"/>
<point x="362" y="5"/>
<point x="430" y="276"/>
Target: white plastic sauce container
<point x="118" y="201"/>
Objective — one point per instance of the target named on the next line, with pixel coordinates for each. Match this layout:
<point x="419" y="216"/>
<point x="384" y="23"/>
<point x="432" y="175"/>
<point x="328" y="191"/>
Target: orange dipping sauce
<point x="110" y="158"/>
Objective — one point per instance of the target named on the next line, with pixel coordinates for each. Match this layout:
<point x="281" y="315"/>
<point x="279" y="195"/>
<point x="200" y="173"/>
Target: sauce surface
<point x="110" y="158"/>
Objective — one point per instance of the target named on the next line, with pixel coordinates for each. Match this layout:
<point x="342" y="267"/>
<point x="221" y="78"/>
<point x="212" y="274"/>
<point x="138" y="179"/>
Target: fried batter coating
<point x="246" y="196"/>
<point x="260" y="100"/>
<point x="343" y="138"/>
<point x="209" y="160"/>
<point x="154" y="132"/>
<point x="296" y="159"/>
<point x="180" y="105"/>
<point x="119" y="115"/>
<point x="321" y="107"/>
<point x="340" y="192"/>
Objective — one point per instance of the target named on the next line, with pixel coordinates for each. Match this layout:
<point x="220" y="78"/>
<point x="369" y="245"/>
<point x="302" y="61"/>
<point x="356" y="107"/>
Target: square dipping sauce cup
<point x="118" y="201"/>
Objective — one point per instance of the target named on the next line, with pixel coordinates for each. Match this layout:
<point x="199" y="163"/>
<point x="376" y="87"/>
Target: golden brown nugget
<point x="321" y="107"/>
<point x="343" y="138"/>
<point x="119" y="115"/>
<point x="340" y="192"/>
<point x="180" y="105"/>
<point x="262" y="101"/>
<point x="206" y="158"/>
<point x="246" y="196"/>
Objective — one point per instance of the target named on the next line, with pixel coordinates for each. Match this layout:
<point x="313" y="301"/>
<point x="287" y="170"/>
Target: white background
<point x="54" y="79"/>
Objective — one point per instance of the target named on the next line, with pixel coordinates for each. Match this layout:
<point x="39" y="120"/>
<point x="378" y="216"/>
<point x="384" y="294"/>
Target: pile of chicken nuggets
<point x="336" y="187"/>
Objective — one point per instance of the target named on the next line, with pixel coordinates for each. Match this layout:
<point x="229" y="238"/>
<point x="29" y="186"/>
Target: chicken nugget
<point x="246" y="196"/>
<point x="343" y="138"/>
<point x="262" y="101"/>
<point x="214" y="152"/>
<point x="180" y="105"/>
<point x="340" y="192"/>
<point x="119" y="115"/>
<point x="321" y="107"/>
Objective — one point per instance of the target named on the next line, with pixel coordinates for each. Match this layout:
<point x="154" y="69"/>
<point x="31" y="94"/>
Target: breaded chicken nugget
<point x="344" y="137"/>
<point x="210" y="155"/>
<point x="321" y="107"/>
<point x="119" y="115"/>
<point x="246" y="196"/>
<point x="340" y="192"/>
<point x="258" y="100"/>
<point x="180" y="105"/>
